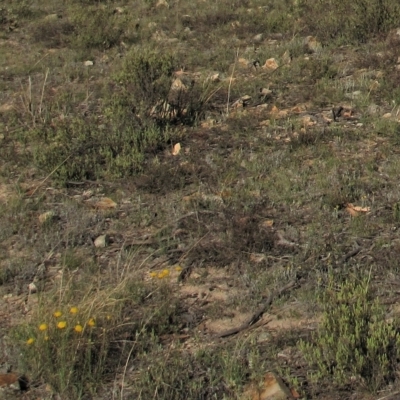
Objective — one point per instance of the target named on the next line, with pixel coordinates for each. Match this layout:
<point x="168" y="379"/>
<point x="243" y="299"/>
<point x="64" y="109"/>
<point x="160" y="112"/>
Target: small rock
<point x="393" y="38"/>
<point x="354" y="95"/>
<point x="32" y="288"/>
<point x="387" y="115"/>
<point x="272" y="389"/>
<point x="264" y="92"/>
<point x="152" y="24"/>
<point x="312" y="45"/>
<point x="46" y="217"/>
<point x="52" y="17"/>
<point x="119" y="10"/>
<point x="373" y="109"/>
<point x="8" y="379"/>
<point x="271" y="64"/>
<point x="244" y="62"/>
<point x="215" y="77"/>
<point x="258" y="38"/>
<point x="162" y="3"/>
<point x="101" y="241"/>
<point x="88" y="63"/>
<point x="178" y="85"/>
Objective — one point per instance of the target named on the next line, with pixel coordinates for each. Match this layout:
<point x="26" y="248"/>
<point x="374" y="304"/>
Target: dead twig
<point x="257" y="315"/>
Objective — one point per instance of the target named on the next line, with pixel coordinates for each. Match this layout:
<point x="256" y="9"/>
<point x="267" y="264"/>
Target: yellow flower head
<point x="78" y="328"/>
<point x="153" y="274"/>
<point x="57" y="314"/>
<point x="178" y="268"/>
<point x="164" y="273"/>
<point x="62" y="325"/>
<point x="43" y="327"/>
<point x="74" y="310"/>
<point x="30" y="341"/>
<point x="91" y="322"/>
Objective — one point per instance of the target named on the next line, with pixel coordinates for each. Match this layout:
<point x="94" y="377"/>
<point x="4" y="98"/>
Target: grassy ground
<point x="218" y="186"/>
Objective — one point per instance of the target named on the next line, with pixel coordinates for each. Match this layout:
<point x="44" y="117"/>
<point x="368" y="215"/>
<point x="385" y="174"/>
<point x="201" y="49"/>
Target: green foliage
<point x="354" y="341"/>
<point x="210" y="373"/>
<point x="349" y="22"/>
<point x="146" y="76"/>
<point x="85" y="149"/>
<point x="96" y="27"/>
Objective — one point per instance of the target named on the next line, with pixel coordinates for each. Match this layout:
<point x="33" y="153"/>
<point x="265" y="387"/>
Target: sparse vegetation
<point x="162" y="179"/>
<point x="355" y="344"/>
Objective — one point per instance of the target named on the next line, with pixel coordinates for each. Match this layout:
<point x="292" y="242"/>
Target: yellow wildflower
<point x="62" y="325"/>
<point x="153" y="274"/>
<point x="91" y="322"/>
<point x="178" y="268"/>
<point x="78" y="328"/>
<point x="57" y="314"/>
<point x="74" y="310"/>
<point x="164" y="273"/>
<point x="30" y="341"/>
<point x="43" y="327"/>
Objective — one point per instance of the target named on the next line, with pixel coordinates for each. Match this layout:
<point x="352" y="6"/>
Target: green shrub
<point x="96" y="27"/>
<point x="354" y="342"/>
<point x="84" y="149"/>
<point x="355" y="21"/>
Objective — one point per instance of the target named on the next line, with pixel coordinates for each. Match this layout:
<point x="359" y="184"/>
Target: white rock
<point x="88" y="63"/>
<point x="101" y="241"/>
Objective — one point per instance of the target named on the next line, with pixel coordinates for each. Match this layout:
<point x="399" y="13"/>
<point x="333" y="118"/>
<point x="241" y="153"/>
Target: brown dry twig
<point x="262" y="309"/>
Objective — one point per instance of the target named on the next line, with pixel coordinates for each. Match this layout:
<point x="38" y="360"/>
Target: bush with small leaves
<point x="354" y="343"/>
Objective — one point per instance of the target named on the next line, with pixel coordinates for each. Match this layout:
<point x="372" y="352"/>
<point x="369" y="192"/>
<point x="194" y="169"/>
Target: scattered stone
<point x="32" y="288"/>
<point x="104" y="204"/>
<point x="393" y="38"/>
<point x="178" y="85"/>
<point x="8" y="379"/>
<point x="387" y="115"/>
<point x="52" y="17"/>
<point x="242" y="102"/>
<point x="312" y="45"/>
<point x="258" y="38"/>
<point x="176" y="149"/>
<point x="244" y="62"/>
<point x="272" y="388"/>
<point x="373" y="109"/>
<point x="88" y="63"/>
<point x="264" y="93"/>
<point x="162" y="3"/>
<point x="101" y="241"/>
<point x="215" y="77"/>
<point x="47" y="217"/>
<point x="271" y="64"/>
<point x="354" y="95"/>
<point x="6" y="107"/>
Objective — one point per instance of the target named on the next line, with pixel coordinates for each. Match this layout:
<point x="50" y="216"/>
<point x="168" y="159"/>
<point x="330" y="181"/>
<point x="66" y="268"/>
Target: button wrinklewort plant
<point x="355" y="344"/>
<point x="69" y="344"/>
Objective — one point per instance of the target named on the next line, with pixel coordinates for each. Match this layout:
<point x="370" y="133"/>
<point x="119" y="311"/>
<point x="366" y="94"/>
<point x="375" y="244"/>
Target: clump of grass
<point x="354" y="344"/>
<point x="69" y="346"/>
<point x="358" y="21"/>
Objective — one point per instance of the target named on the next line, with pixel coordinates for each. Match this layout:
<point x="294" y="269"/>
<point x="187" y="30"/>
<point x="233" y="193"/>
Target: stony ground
<point x="279" y="169"/>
